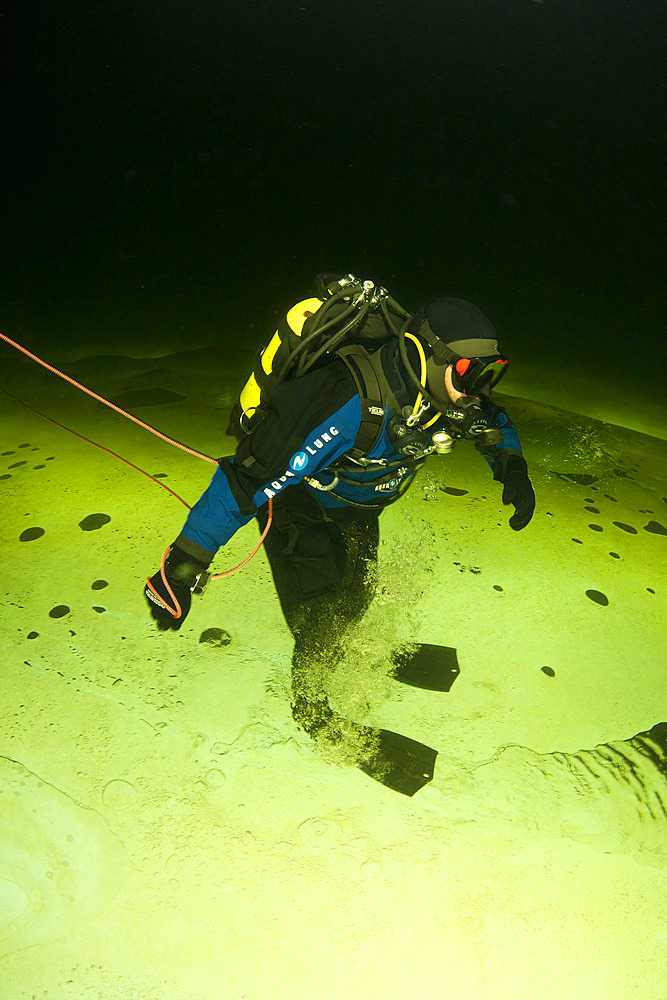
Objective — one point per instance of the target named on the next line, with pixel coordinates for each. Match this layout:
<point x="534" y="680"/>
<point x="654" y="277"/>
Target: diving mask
<point x="471" y="375"/>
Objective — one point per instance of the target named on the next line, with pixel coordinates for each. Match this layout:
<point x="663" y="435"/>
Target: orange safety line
<point x="101" y="399"/>
<point x="95" y="445"/>
<point x="163" y="437"/>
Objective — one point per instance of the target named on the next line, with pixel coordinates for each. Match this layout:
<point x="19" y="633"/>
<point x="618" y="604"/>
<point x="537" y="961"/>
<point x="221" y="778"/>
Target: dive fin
<point x="434" y="668"/>
<point x="398" y="762"/>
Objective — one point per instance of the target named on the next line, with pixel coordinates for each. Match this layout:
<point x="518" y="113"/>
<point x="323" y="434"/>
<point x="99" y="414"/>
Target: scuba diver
<point x="344" y="405"/>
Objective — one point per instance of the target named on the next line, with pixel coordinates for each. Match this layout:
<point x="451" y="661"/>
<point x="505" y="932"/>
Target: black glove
<point x="518" y="491"/>
<point x="182" y="572"/>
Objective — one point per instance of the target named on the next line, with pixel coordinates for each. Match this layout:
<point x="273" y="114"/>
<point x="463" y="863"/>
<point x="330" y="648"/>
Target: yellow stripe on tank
<point x="296" y="318"/>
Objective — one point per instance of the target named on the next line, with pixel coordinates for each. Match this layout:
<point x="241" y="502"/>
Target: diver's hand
<point x="160" y="601"/>
<point x="518" y="491"/>
<point x="182" y="572"/>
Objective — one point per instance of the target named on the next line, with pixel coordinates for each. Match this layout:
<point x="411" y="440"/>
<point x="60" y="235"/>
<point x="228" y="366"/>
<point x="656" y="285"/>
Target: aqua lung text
<point x="299" y="461"/>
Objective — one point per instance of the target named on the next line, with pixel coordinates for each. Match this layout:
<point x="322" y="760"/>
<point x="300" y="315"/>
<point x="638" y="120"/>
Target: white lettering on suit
<point x="299" y="461"/>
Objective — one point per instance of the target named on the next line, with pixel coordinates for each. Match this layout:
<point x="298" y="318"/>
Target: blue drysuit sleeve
<point x="216" y="515"/>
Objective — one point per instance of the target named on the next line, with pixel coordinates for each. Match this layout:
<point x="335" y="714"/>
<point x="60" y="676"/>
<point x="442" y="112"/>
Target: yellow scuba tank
<point x="345" y="311"/>
<point x="268" y="360"/>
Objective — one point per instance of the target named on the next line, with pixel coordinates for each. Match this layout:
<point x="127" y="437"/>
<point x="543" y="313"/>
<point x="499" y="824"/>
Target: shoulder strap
<point x="369" y="386"/>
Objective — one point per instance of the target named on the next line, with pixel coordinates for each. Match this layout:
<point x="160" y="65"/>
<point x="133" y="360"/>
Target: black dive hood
<point x="451" y="329"/>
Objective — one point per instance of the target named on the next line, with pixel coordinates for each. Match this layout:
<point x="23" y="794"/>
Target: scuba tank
<point x="351" y="319"/>
<point x="345" y="312"/>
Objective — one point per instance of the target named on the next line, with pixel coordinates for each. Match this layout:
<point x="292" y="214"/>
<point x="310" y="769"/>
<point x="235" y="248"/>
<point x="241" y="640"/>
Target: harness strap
<point x="367" y="382"/>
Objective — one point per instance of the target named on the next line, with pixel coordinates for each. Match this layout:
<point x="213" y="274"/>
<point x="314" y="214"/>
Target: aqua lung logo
<point x="300" y="460"/>
<point x="391" y="485"/>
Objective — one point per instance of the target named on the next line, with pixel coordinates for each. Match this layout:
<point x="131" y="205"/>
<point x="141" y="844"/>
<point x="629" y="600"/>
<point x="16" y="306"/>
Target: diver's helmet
<point x="455" y="333"/>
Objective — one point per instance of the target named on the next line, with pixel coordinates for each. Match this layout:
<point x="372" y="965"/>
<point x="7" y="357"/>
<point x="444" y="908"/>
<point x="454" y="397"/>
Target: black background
<point x="184" y="169"/>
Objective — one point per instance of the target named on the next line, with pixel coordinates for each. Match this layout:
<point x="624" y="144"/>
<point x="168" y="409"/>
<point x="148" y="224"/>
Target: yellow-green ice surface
<point x="166" y="831"/>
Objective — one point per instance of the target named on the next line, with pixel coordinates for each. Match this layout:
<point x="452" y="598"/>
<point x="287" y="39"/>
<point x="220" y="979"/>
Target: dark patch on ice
<point x="598" y="597"/>
<point x="59" y="611"/>
<point x="98" y="585"/>
<point x="30" y="534"/>
<point x="35" y="467"/>
<point x="497" y="587"/>
<point x="655" y="528"/>
<point x="27" y="445"/>
<point x="621" y="474"/>
<point x="4" y="453"/>
<point x="136" y="398"/>
<point x="650" y="590"/>
<point x="613" y="499"/>
<point x="573" y="477"/>
<point x="578" y="541"/>
<point x="98" y="609"/>
<point x="32" y="635"/>
<point x="625" y="527"/>
<point x="592" y="510"/>
<point x="7" y="475"/>
<point x="215" y="637"/>
<point x="453" y="492"/>
<point x="94" y="521"/>
<point x="470" y="569"/>
<point x="596" y="527"/>
<point x="614" y="555"/>
<point x="549" y="671"/>
<point x="160" y="475"/>
<point x="15" y="465"/>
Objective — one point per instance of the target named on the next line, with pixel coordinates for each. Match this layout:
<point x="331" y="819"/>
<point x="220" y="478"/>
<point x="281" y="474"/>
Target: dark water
<point x="185" y="169"/>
